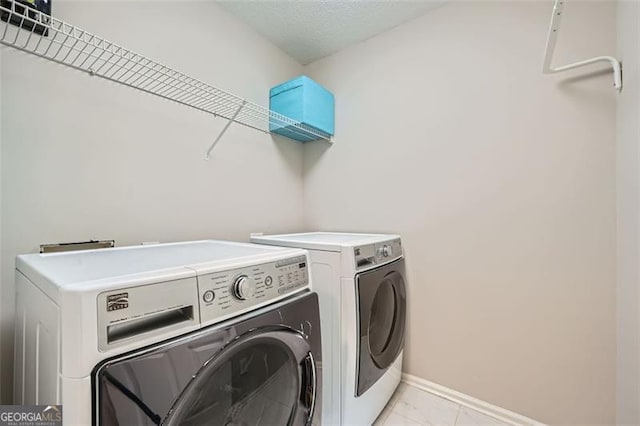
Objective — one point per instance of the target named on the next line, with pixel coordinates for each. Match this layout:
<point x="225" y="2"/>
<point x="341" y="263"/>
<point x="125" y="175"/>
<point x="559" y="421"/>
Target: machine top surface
<point x="72" y="268"/>
<point x="329" y="241"/>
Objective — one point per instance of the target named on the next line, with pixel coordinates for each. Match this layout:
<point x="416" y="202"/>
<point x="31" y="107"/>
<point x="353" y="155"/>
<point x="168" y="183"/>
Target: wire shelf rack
<point x="34" y="32"/>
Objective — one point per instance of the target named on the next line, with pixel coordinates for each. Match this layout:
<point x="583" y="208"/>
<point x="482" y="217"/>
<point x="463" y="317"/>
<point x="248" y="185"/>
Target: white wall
<point x="84" y="158"/>
<point x="628" y="217"/>
<point x="501" y="181"/>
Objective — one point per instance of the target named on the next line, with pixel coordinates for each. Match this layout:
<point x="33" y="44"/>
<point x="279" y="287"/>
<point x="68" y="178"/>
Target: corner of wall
<point x="628" y="218"/>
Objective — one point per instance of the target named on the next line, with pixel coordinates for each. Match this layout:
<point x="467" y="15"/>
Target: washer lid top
<point x="122" y="264"/>
<point x="327" y="241"/>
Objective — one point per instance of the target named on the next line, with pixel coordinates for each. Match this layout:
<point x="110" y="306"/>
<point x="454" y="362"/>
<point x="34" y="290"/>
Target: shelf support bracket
<point x="207" y="156"/>
<point x="554" y="29"/>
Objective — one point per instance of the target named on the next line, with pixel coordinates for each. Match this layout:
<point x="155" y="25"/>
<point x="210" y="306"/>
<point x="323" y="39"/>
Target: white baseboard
<point x="483" y="407"/>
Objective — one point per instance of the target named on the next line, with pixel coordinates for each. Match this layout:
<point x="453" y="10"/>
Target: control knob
<point x="386" y="251"/>
<point x="244" y="287"/>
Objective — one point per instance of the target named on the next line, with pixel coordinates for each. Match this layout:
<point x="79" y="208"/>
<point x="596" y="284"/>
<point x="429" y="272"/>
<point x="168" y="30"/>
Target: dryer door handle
<point x="309" y="386"/>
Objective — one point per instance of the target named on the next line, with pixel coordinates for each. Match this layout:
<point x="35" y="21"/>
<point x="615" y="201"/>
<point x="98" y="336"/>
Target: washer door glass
<point x="259" y="379"/>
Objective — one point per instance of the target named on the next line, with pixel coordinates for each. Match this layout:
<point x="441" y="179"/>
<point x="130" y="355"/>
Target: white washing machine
<point x="360" y="281"/>
<point x="206" y="332"/>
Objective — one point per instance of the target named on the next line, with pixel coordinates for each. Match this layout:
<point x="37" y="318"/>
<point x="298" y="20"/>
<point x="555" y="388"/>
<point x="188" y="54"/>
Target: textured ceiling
<point x="309" y="30"/>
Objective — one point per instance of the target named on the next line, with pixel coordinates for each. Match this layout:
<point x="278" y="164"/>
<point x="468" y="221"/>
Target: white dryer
<point x="206" y="332"/>
<point x="360" y="281"/>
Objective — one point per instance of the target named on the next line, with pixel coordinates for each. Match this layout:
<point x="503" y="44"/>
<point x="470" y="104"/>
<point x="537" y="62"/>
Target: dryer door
<point x="381" y="296"/>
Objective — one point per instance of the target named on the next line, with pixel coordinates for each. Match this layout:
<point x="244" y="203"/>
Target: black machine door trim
<point x="372" y="288"/>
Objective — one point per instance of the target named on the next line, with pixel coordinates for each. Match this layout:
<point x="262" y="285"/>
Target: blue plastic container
<point x="306" y="102"/>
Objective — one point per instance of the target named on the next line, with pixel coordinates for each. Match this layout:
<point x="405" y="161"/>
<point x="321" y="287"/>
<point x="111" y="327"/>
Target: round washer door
<point x="223" y="374"/>
<point x="263" y="377"/>
<point x="382" y="317"/>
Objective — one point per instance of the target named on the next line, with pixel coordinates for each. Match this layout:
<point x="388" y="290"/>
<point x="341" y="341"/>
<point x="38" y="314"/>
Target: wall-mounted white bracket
<point x="207" y="156"/>
<point x="554" y="29"/>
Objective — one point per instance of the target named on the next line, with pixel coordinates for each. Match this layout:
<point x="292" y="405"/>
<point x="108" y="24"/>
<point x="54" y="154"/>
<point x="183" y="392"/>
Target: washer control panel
<point x="226" y="292"/>
<point x="377" y="254"/>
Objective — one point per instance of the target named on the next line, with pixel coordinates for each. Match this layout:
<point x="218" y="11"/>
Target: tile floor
<point x="412" y="406"/>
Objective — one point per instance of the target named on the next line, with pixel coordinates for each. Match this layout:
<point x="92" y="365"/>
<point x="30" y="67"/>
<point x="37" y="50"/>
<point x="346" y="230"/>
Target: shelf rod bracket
<point x="207" y="156"/>
<point x="554" y="29"/>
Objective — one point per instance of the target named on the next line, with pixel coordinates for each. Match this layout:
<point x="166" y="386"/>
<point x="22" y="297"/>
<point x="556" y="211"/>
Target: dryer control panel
<point x="227" y="292"/>
<point x="377" y="254"/>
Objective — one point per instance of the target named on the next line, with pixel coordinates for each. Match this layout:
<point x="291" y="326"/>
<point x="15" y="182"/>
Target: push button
<point x="208" y="296"/>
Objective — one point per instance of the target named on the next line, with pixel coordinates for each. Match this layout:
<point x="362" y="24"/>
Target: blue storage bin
<point x="306" y="102"/>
